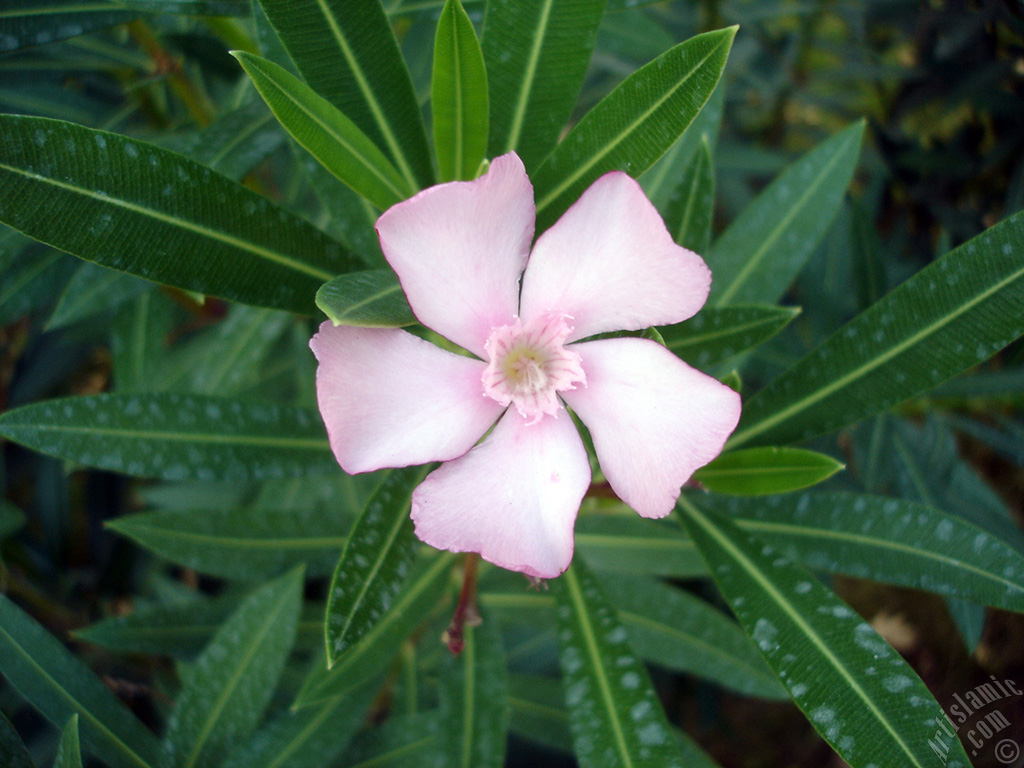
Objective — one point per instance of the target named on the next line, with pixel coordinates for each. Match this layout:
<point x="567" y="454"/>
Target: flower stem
<point x="466" y="611"/>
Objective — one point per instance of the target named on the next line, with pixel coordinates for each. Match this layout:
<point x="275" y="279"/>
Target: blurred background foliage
<point x="942" y="87"/>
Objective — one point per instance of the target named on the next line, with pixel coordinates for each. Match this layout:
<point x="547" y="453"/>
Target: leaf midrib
<point x="185" y="437"/>
<point x="755" y="259"/>
<point x="843" y="381"/>
<point x="199" y="229"/>
<point x="587" y="631"/>
<point x="812" y="635"/>
<point x="232" y="684"/>
<point x="78" y="707"/>
<point x="609" y="146"/>
<point x="529" y="75"/>
<point x="715" y="334"/>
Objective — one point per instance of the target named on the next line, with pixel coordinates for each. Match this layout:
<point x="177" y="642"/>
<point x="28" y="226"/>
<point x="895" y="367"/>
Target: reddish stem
<point x="466" y="610"/>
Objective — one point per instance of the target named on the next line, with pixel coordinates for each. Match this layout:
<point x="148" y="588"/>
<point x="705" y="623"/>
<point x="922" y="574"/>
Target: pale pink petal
<point x="611" y="265"/>
<point x="391" y="399"/>
<point x="654" y="419"/>
<point x="513" y="498"/>
<point x="459" y="249"/>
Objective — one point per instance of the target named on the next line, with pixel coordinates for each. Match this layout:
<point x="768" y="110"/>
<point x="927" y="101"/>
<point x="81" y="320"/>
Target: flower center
<point x="529" y="365"/>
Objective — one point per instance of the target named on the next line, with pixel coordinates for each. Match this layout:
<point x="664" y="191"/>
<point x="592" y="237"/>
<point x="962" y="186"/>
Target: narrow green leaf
<point x="373" y="566"/>
<point x="175" y="436"/>
<point x="635" y="124"/>
<point x="716" y="334"/>
<point x="69" y="753"/>
<point x="141" y="209"/>
<point x="180" y="630"/>
<point x="474" y="707"/>
<point x="537" y="711"/>
<point x="890" y="540"/>
<point x="371" y="299"/>
<point x="615" y="716"/>
<point x="538" y="714"/>
<point x="762" y="251"/>
<point x="856" y="691"/>
<point x="24" y="23"/>
<point x="536" y="53"/>
<point x="226" y="359"/>
<point x="308" y="738"/>
<point x="458" y="95"/>
<point x="666" y="626"/>
<point x="628" y="543"/>
<point x="12" y="519"/>
<point x="661" y="179"/>
<point x="138" y="342"/>
<point x="94" y="289"/>
<point x="347" y="53"/>
<point x="762" y="471"/>
<point x="12" y="750"/>
<point x="59" y="685"/>
<point x="950" y="316"/>
<point x="422" y="592"/>
<point x="226" y="690"/>
<point x="32" y="282"/>
<point x="407" y="741"/>
<point x="672" y="628"/>
<point x="692" y="204"/>
<point x="241" y="543"/>
<point x="190" y="7"/>
<point x="334" y="140"/>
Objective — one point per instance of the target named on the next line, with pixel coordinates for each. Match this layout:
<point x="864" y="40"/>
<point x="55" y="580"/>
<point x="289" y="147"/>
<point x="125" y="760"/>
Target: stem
<point x="167" y="65"/>
<point x="466" y="610"/>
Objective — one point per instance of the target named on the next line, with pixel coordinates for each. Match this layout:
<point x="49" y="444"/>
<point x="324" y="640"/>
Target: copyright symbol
<point x="1007" y="751"/>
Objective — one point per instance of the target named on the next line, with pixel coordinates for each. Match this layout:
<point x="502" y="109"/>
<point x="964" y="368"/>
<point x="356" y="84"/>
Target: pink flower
<point x="391" y="399"/>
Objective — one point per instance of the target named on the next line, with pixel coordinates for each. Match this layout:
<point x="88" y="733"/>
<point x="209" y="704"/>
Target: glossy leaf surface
<point x="175" y="436"/>
<point x="763" y="471"/>
<point x="716" y="334"/>
<point x="371" y="299"/>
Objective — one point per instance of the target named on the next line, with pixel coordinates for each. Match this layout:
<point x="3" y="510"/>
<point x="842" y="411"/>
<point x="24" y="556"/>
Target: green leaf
<point x="24" y="23"/>
<point x="950" y="316"/>
<point x="374" y="563"/>
<point x="236" y="142"/>
<point x="137" y="342"/>
<point x="59" y="686"/>
<point x="158" y="215"/>
<point x="672" y="628"/>
<point x="890" y="540"/>
<point x="458" y="96"/>
<point x="347" y="53"/>
<point x="371" y="299"/>
<point x="12" y="750"/>
<point x="474" y="707"/>
<point x="309" y="738"/>
<point x="225" y="691"/>
<point x="761" y="252"/>
<point x="856" y="691"/>
<point x="190" y="7"/>
<point x="175" y="436"/>
<point x="226" y="359"/>
<point x="635" y="124"/>
<point x="422" y="591"/>
<point x="241" y="543"/>
<point x="401" y="742"/>
<point x="30" y="285"/>
<point x="92" y="290"/>
<point x="180" y="630"/>
<point x="716" y="334"/>
<point x="692" y="205"/>
<point x="12" y="519"/>
<point x="537" y="713"/>
<point x="762" y="471"/>
<point x="334" y="140"/>
<point x="536" y="53"/>
<point x="615" y="716"/>
<point x="665" y="625"/>
<point x="660" y="181"/>
<point x="628" y="543"/>
<point x="69" y="753"/>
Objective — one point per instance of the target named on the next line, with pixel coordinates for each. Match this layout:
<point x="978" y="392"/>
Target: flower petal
<point x="459" y="249"/>
<point x="391" y="399"/>
<point x="654" y="419"/>
<point x="611" y="265"/>
<point x="513" y="498"/>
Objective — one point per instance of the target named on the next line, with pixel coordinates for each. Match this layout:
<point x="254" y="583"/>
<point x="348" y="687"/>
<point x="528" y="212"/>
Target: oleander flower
<point x="462" y="254"/>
